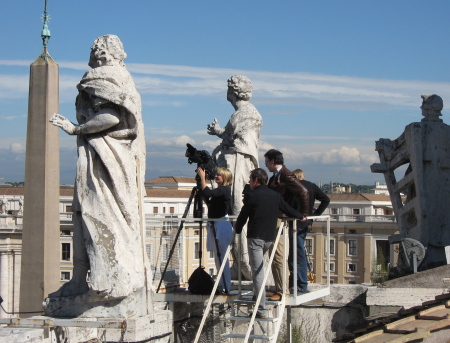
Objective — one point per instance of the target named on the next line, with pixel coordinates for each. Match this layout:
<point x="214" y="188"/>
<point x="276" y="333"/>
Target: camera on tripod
<point x="203" y="160"/>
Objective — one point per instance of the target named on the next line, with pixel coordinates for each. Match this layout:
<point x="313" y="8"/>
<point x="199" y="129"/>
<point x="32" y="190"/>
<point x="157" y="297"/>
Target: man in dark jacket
<point x="285" y="183"/>
<point x="315" y="193"/>
<point x="261" y="208"/>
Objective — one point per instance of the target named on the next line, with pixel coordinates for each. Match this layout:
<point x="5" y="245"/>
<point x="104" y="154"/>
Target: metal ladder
<point x="245" y="328"/>
<point x="248" y="327"/>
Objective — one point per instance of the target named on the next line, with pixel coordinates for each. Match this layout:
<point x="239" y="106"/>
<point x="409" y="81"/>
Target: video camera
<point x="203" y="160"/>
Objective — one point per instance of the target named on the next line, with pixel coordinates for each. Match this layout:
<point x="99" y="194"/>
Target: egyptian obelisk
<point x="40" y="271"/>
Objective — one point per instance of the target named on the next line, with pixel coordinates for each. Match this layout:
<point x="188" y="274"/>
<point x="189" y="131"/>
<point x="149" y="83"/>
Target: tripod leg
<point x="186" y="211"/>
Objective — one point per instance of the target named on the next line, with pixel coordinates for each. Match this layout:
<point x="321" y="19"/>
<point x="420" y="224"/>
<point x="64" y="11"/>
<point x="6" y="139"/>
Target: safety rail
<point x="293" y="300"/>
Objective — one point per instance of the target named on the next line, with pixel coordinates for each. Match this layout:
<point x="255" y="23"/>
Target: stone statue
<point x="5" y="204"/>
<point x="21" y="205"/>
<point x="432" y="106"/>
<point x="238" y="150"/>
<point x="425" y="148"/>
<point x="109" y="189"/>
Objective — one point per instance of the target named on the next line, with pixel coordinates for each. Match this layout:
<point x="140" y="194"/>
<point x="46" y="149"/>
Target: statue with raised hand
<point x="109" y="186"/>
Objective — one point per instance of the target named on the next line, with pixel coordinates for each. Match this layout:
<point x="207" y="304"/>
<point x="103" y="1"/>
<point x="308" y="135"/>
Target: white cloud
<point x="13" y="86"/>
<point x="17" y="148"/>
<point x="10" y="117"/>
<point x="309" y="89"/>
<point x="210" y="145"/>
<point x="180" y="141"/>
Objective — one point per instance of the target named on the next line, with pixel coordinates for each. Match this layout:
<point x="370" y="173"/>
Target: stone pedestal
<point x="155" y="328"/>
<point x="93" y="305"/>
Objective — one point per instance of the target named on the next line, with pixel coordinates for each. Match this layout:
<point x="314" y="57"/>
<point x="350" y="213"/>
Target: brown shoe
<point x="259" y="316"/>
<point x="276" y="297"/>
<point x="270" y="294"/>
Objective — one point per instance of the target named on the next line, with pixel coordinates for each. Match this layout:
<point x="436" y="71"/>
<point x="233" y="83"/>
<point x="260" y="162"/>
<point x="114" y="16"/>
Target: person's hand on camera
<point x="201" y="172"/>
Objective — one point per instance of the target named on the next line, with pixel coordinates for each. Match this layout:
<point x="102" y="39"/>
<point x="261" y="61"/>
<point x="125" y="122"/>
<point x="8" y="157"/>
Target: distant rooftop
<point x="180" y="187"/>
<point x="172" y="179"/>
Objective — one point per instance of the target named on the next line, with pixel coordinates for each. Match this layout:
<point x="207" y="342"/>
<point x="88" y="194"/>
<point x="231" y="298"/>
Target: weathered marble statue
<point x="425" y="147"/>
<point x="238" y="150"/>
<point x="5" y="205"/>
<point x="109" y="189"/>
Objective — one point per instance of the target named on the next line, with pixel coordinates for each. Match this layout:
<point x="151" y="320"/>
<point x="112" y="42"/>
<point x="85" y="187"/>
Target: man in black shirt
<point x="315" y="193"/>
<point x="261" y="208"/>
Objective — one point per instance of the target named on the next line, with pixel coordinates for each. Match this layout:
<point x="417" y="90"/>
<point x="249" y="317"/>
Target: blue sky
<point x="329" y="77"/>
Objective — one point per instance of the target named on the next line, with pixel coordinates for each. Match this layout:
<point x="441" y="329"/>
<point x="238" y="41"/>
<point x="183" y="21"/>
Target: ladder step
<point x="243" y="302"/>
<point x="236" y="335"/>
<point x="251" y="302"/>
<point x="247" y="319"/>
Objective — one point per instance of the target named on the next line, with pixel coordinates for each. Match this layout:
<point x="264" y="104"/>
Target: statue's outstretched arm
<point x="215" y="129"/>
<point x="102" y="120"/>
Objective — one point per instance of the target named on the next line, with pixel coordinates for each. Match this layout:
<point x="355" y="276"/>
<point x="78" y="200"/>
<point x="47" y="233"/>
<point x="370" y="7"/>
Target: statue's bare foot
<point x="71" y="288"/>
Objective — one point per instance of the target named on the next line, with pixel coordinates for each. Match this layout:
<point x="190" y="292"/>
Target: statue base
<point x="92" y="305"/>
<point x="156" y="328"/>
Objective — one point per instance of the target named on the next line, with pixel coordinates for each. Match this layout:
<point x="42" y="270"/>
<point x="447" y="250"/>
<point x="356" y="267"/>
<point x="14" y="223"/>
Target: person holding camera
<point x="219" y="233"/>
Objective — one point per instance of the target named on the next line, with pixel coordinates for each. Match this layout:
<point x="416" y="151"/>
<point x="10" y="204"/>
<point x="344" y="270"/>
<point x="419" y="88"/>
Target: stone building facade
<point x="360" y="227"/>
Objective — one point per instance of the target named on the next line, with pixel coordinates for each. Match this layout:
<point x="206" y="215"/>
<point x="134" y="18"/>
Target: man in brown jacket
<point x="284" y="182"/>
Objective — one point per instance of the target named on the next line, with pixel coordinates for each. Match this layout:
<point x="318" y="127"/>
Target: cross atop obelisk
<point x="45" y="34"/>
<point x="40" y="274"/>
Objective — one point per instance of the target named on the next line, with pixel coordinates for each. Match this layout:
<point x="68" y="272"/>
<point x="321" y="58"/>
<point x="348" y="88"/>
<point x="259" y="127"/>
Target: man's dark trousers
<point x="302" y="266"/>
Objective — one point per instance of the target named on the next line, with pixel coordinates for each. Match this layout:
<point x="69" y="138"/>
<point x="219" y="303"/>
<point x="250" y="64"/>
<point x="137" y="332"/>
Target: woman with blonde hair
<point x="219" y="233"/>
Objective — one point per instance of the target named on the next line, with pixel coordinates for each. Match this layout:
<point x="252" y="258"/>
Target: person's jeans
<point x="256" y="250"/>
<point x="302" y="266"/>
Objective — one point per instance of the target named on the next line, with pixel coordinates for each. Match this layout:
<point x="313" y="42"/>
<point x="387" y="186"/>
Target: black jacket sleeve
<point x="288" y="210"/>
<point x="209" y="193"/>
<point x="323" y="198"/>
<point x="243" y="216"/>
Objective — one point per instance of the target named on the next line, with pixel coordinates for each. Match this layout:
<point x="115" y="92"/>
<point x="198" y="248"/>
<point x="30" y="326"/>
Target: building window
<point x="166" y="251"/>
<point x="65" y="251"/>
<point x="211" y="271"/>
<point x="69" y="208"/>
<point x="332" y="246"/>
<point x="309" y="246"/>
<point x="352" y="247"/>
<point x="172" y="210"/>
<point x="335" y="212"/>
<point x="351" y="267"/>
<point x="196" y="232"/>
<point x="211" y="254"/>
<point x="332" y="267"/>
<point x="352" y="282"/>
<point x="356" y="211"/>
<point x="65" y="232"/>
<point x="148" y="250"/>
<point x="65" y="276"/>
<point x="197" y="250"/>
<point x="155" y="209"/>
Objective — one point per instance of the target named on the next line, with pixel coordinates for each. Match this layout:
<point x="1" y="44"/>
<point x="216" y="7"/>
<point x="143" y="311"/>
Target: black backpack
<point x="200" y="282"/>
